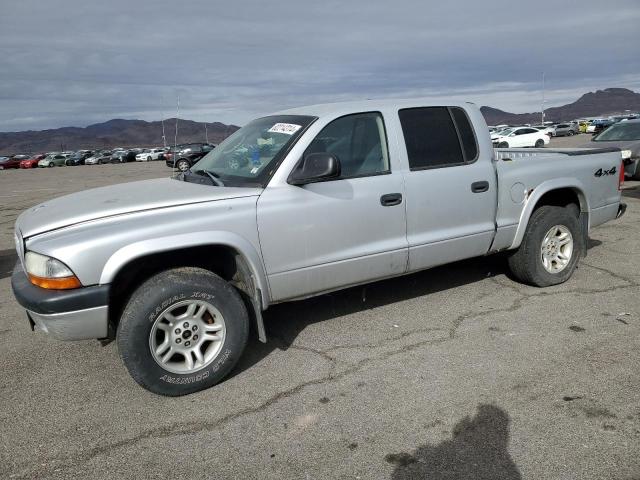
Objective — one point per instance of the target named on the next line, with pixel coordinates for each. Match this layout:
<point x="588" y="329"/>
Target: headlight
<point x="626" y="154"/>
<point x="47" y="272"/>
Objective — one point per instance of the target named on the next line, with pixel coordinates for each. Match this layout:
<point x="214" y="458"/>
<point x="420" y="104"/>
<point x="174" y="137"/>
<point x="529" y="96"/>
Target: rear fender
<point x="534" y="196"/>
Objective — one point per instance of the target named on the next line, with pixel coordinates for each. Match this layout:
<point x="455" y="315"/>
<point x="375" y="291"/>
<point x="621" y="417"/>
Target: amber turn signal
<point x="64" y="283"/>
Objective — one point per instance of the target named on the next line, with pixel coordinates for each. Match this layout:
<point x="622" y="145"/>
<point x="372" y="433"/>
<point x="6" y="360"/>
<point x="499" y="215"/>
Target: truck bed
<point x="525" y="174"/>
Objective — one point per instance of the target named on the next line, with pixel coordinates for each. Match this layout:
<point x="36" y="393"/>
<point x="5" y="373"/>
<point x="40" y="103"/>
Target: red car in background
<point x="33" y="161"/>
<point x="11" y="162"/>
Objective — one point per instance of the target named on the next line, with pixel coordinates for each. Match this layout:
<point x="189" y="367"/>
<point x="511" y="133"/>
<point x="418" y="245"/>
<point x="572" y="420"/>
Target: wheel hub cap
<point x="557" y="249"/>
<point x="187" y="336"/>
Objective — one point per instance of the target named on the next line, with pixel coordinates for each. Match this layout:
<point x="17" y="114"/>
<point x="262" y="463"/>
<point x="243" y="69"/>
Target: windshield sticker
<point x="286" y="128"/>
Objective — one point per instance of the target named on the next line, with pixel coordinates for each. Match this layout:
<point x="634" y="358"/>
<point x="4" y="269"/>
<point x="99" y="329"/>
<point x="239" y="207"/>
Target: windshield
<point x="620" y="132"/>
<point x="505" y="131"/>
<point x="250" y="156"/>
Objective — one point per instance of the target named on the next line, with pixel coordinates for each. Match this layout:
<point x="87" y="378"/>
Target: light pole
<point x="542" y="109"/>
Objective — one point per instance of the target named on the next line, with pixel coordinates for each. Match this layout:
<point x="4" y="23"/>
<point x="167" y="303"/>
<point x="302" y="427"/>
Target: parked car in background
<point x="520" y="137"/>
<point x="32" y="162"/>
<point x="546" y="129"/>
<point x="150" y="154"/>
<point x="625" y="136"/>
<point x="565" y="129"/>
<point x="99" y="158"/>
<point x="12" y="161"/>
<point x="188" y="155"/>
<point x="598" y="124"/>
<point x="602" y="126"/>
<point x="169" y="154"/>
<point x="54" y="160"/>
<point x="78" y="158"/>
<point x="124" y="156"/>
<point x="582" y="126"/>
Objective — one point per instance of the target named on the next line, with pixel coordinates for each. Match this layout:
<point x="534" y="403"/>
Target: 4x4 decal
<point x="603" y="173"/>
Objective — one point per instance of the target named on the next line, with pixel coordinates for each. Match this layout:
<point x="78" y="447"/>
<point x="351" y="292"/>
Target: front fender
<point x="536" y="194"/>
<point x="196" y="239"/>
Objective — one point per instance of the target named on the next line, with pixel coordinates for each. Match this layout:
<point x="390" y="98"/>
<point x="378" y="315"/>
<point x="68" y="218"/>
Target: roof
<point x="343" y="108"/>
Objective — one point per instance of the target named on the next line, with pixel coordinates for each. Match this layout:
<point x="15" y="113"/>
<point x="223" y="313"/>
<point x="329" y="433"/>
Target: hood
<point x="633" y="145"/>
<point x="121" y="199"/>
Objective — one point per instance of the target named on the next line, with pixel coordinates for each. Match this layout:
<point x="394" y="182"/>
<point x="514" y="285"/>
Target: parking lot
<point x="457" y="372"/>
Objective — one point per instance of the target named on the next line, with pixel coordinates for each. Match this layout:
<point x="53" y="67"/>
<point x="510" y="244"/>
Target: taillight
<point x="621" y="177"/>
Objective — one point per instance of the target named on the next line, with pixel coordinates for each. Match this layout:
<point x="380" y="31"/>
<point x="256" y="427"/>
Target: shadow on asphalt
<point x="632" y="192"/>
<point x="8" y="259"/>
<point x="284" y="322"/>
<point x="476" y="451"/>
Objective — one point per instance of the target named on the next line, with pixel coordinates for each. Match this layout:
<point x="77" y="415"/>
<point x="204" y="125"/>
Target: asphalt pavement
<point x="454" y="373"/>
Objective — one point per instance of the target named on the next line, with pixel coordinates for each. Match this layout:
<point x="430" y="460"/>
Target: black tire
<point x="526" y="262"/>
<point x="539" y="143"/>
<point x="636" y="175"/>
<point x="154" y="296"/>
<point x="51" y="165"/>
<point x="503" y="145"/>
<point x="148" y="159"/>
<point x="182" y="165"/>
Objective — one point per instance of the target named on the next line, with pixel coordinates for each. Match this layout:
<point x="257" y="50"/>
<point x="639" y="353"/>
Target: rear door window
<point x="437" y="137"/>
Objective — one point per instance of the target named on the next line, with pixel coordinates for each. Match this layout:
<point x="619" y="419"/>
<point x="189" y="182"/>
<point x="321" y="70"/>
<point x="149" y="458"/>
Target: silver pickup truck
<point x="292" y="205"/>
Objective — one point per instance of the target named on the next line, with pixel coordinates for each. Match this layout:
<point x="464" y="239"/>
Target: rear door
<point x="451" y="187"/>
<point x="339" y="232"/>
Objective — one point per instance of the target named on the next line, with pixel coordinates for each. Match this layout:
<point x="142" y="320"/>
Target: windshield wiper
<point x="215" y="178"/>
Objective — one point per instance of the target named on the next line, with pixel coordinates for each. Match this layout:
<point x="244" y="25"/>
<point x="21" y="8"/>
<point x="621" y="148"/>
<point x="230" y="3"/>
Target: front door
<point x="341" y="232"/>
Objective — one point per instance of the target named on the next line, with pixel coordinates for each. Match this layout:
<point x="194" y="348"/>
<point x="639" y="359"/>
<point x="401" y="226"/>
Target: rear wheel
<point x="182" y="331"/>
<point x="552" y="245"/>
<point x="539" y="143"/>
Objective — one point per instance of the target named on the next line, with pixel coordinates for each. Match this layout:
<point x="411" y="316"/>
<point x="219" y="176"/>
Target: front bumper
<point x="77" y="314"/>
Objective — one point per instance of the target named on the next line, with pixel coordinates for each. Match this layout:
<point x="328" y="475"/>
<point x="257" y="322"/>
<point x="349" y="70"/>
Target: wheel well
<point x="222" y="260"/>
<point x="562" y="197"/>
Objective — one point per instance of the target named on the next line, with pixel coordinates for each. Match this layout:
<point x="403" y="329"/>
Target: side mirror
<point x="315" y="167"/>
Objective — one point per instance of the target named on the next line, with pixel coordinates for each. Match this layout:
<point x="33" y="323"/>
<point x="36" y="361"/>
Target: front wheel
<point x="51" y="165"/>
<point x="182" y="165"/>
<point x="503" y="145"/>
<point x="552" y="245"/>
<point x="182" y="331"/>
<point x="148" y="159"/>
<point x="539" y="143"/>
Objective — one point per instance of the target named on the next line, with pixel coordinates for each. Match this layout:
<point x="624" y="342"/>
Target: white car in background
<point x="520" y="137"/>
<point x="150" y="154"/>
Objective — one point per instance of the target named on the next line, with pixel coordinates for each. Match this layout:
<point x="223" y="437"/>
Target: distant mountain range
<point x="130" y="133"/>
<point x="114" y="133"/>
<point x="602" y="102"/>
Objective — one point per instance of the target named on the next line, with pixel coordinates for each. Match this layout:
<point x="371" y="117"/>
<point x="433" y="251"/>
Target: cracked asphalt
<point x="457" y="372"/>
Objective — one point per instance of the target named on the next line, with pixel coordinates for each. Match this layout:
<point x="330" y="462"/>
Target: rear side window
<point x="467" y="137"/>
<point x="433" y="139"/>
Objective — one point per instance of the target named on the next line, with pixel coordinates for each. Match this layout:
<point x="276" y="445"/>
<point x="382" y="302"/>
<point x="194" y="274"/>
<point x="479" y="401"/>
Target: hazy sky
<point x="77" y="62"/>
